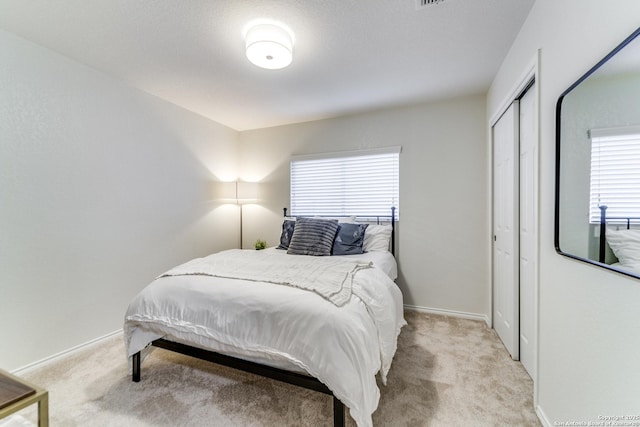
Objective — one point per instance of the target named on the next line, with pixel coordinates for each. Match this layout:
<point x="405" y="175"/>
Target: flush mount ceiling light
<point x="269" y="46"/>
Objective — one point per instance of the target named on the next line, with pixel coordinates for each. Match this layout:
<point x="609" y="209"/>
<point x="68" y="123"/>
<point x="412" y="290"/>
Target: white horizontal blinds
<point x="615" y="173"/>
<point x="363" y="183"/>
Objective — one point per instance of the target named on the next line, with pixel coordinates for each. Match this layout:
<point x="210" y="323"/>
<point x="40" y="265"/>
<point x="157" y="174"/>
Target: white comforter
<point x="329" y="277"/>
<point x="282" y="326"/>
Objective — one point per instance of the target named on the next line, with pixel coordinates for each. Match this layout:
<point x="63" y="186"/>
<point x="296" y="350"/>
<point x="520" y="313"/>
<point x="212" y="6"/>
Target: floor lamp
<point x="246" y="192"/>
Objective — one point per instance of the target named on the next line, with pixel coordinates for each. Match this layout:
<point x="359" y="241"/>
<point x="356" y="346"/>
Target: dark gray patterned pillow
<point x="313" y="236"/>
<point x="287" y="232"/>
<point x="349" y="239"/>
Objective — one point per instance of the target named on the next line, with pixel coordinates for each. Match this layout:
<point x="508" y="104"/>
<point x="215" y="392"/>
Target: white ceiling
<point x="349" y="56"/>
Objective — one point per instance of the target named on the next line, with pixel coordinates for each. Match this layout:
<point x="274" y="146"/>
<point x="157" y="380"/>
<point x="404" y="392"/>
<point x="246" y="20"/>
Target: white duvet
<point x="282" y="326"/>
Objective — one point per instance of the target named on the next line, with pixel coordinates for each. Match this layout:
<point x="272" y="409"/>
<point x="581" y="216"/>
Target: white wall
<point x="589" y="322"/>
<point x="442" y="250"/>
<point x="102" y="187"/>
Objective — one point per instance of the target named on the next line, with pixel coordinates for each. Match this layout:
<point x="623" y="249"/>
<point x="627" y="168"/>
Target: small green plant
<point x="260" y="244"/>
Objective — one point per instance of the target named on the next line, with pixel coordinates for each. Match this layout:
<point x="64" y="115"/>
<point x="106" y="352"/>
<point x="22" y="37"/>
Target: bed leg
<point x="338" y="413"/>
<point x="135" y="376"/>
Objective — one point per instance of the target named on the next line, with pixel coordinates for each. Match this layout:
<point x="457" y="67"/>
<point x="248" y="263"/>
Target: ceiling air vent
<point x="423" y="3"/>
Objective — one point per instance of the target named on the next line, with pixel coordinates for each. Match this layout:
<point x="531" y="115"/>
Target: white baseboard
<point x="543" y="417"/>
<point x="452" y="313"/>
<point x="42" y="362"/>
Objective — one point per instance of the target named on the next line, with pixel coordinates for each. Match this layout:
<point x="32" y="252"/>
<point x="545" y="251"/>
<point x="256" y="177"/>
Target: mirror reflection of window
<point x="615" y="174"/>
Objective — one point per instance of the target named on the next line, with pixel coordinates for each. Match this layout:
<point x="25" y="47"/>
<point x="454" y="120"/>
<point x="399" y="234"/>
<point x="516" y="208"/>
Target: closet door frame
<point x="531" y="74"/>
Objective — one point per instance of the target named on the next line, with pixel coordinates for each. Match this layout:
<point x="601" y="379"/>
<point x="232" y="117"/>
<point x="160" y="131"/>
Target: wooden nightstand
<point x="17" y="394"/>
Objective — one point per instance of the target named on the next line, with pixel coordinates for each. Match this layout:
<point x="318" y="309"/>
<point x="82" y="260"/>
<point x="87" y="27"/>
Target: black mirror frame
<point x="556" y="237"/>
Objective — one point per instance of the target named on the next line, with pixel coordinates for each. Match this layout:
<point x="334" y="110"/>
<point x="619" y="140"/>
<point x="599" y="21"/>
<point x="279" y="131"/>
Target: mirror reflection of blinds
<point x="615" y="173"/>
<point x="362" y="183"/>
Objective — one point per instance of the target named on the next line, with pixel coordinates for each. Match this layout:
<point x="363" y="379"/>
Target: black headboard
<point x="374" y="218"/>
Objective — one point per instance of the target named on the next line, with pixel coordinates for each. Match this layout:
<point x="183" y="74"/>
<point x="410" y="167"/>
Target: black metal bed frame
<point x="288" y="377"/>
<point x="294" y="378"/>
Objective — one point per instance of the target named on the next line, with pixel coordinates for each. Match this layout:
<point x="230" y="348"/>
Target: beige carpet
<point x="447" y="372"/>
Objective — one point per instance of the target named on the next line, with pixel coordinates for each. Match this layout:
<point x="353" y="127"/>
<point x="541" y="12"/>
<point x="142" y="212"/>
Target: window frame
<point x="342" y="201"/>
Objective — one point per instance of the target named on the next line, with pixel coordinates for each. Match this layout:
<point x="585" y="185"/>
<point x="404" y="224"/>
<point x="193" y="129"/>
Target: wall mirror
<point x="598" y="163"/>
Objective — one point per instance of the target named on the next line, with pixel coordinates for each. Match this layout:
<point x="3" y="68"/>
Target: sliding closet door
<point x="528" y="228"/>
<point x="506" y="230"/>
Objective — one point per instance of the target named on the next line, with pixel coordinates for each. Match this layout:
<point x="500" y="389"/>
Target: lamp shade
<point x="247" y="192"/>
<point x="226" y="192"/>
<point x="269" y="46"/>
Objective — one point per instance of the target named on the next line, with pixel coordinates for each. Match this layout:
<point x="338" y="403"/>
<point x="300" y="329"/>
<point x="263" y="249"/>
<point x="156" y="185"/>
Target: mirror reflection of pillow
<point x="634" y="268"/>
<point x="625" y="245"/>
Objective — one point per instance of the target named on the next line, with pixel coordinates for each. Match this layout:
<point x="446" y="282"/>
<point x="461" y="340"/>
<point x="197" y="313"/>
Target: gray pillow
<point x="349" y="239"/>
<point x="313" y="236"/>
<point x="287" y="232"/>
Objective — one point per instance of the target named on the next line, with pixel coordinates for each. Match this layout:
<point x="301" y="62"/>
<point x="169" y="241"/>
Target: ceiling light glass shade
<point x="269" y="46"/>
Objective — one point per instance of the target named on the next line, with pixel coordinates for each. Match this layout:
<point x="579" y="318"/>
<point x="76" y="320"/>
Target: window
<point x="363" y="183"/>
<point x="615" y="173"/>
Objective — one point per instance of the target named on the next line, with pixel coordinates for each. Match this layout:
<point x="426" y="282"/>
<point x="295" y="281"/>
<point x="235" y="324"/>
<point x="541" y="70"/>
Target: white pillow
<point x="377" y="238"/>
<point x="625" y="245"/>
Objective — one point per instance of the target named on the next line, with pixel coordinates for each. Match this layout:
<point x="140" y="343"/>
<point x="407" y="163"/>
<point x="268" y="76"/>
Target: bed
<point x="622" y="239"/>
<point x="327" y="323"/>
